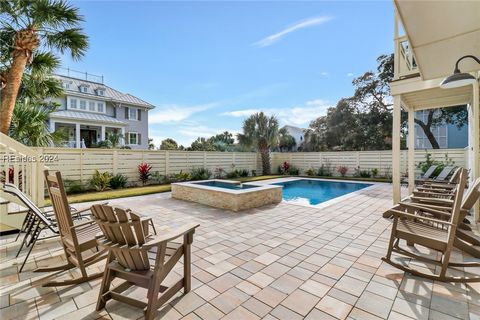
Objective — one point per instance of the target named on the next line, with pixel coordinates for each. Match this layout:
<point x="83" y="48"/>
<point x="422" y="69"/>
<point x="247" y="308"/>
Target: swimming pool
<point x="313" y="192"/>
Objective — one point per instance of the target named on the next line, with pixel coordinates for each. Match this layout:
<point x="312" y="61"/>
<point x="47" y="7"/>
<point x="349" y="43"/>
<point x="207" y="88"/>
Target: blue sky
<point x="207" y="65"/>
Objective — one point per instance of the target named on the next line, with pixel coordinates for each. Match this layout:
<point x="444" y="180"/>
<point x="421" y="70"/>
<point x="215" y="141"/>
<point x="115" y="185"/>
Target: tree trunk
<point x="426" y="127"/>
<point x="265" y="154"/>
<point x="9" y="93"/>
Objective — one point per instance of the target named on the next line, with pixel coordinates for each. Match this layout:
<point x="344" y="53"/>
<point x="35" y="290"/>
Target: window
<point x="91" y="106"/>
<point x="83" y="105"/>
<point x="100" y="92"/>
<point x="83" y="89"/>
<point x="440" y="133"/>
<point x="66" y="85"/>
<point x="132" y="114"/>
<point x="100" y="107"/>
<point x="133" y="138"/>
<point x="73" y="103"/>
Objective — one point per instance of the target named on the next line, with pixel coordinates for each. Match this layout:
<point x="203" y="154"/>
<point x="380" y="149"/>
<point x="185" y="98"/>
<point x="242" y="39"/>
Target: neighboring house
<point x="448" y="135"/>
<point x="90" y="111"/>
<point x="297" y="133"/>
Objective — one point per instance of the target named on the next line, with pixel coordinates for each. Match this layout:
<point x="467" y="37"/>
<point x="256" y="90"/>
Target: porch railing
<point x="23" y="167"/>
<point x="405" y="64"/>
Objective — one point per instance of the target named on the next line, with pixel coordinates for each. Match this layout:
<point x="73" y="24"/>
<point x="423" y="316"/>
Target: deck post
<point x="397" y="101"/>
<point x="411" y="150"/>
<point x="475" y="143"/>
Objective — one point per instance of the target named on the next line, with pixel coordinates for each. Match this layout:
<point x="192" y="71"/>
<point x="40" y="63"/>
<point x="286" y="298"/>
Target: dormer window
<point x="100" y="92"/>
<point x="66" y="84"/>
<point x="83" y="88"/>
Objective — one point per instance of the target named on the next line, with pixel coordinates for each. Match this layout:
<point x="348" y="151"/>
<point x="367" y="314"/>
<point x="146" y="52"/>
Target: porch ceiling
<point x="437" y="98"/>
<point x="440" y="32"/>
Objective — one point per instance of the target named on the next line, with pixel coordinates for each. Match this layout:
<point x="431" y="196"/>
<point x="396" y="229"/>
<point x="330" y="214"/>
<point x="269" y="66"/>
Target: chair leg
<point x="187" y="264"/>
<point x="106" y="282"/>
<point x="152" y="297"/>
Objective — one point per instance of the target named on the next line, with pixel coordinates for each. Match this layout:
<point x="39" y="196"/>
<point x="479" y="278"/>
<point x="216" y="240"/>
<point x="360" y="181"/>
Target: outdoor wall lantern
<point x="459" y="79"/>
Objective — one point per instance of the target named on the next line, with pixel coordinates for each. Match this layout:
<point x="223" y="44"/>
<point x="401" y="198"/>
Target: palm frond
<point x="56" y="14"/>
<point x="73" y="40"/>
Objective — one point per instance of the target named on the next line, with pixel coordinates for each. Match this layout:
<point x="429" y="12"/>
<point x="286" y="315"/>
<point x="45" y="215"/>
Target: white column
<point x="124" y="139"/>
<point x="52" y="125"/>
<point x="411" y="150"/>
<point x="475" y="143"/>
<point x="77" y="135"/>
<point x="396" y="149"/>
<point x="102" y="133"/>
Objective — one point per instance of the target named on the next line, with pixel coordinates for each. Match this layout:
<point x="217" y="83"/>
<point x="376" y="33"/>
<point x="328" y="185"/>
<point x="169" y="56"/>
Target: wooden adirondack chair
<point x="432" y="233"/>
<point x="140" y="260"/>
<point x="78" y="240"/>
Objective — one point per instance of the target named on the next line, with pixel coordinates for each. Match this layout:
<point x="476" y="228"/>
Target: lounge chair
<point x="140" y="260"/>
<point x="78" y="240"/>
<point x="442" y="186"/>
<point x="432" y="233"/>
<point x="426" y="176"/>
<point x="442" y="176"/>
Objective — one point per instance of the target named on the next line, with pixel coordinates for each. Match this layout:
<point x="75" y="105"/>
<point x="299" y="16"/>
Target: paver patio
<point x="276" y="262"/>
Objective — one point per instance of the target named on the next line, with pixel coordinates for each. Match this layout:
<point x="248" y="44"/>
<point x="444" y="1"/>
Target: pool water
<point x="313" y="192"/>
<point x="225" y="185"/>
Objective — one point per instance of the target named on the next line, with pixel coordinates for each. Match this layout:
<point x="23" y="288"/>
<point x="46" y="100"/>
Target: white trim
<point x="136" y="114"/>
<point x="128" y="138"/>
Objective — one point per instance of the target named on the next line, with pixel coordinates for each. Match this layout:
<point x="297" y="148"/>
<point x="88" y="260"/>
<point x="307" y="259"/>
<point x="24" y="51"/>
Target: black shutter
<point x="139" y="114"/>
<point x="126" y="112"/>
<point x="126" y="138"/>
<point x="139" y="138"/>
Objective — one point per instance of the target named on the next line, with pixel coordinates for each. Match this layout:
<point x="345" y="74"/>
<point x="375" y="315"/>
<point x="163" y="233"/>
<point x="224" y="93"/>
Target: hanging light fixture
<point x="458" y="78"/>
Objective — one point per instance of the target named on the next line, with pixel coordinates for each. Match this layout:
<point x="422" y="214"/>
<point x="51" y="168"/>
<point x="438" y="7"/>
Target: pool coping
<point x="226" y="190"/>
<point x="327" y="203"/>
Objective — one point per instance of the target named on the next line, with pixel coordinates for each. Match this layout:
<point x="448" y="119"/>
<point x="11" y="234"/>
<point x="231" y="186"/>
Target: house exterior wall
<point x="138" y="126"/>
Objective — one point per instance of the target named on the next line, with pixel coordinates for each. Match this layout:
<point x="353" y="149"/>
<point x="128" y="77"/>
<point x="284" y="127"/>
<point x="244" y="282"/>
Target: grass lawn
<point x="138" y="191"/>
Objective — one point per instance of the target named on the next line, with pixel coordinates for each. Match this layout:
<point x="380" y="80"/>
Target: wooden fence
<point x="366" y="160"/>
<point x="80" y="164"/>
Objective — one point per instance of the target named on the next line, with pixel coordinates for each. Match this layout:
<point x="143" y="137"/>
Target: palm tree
<point x="30" y="124"/>
<point x="114" y="137"/>
<point x="261" y="132"/>
<point x="24" y="27"/>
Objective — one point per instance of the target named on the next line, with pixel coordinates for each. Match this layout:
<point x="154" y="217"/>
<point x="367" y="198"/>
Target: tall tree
<point x="26" y="26"/>
<point x="286" y="141"/>
<point x="260" y="131"/>
<point x="202" y="144"/>
<point x="168" y="144"/>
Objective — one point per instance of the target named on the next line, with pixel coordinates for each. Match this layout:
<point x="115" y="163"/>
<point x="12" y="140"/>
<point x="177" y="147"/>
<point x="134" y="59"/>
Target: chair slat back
<point x="472" y="196"/>
<point x="456" y="175"/>
<point x="444" y="173"/>
<point x="125" y="235"/>
<point x="429" y="172"/>
<point x="58" y="196"/>
<point x="457" y="201"/>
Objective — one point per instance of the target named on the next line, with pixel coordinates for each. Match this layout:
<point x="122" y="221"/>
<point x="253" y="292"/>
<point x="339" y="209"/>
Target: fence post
<point x="40" y="190"/>
<point x="167" y="162"/>
<point x="115" y="162"/>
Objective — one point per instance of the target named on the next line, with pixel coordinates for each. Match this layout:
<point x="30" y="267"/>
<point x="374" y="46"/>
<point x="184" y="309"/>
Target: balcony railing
<point x="80" y="75"/>
<point x="405" y="64"/>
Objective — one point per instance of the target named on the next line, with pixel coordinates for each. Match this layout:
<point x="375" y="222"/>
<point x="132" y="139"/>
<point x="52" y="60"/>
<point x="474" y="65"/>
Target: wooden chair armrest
<point x="433" y="193"/>
<point x="447" y="209"/>
<point x="84" y="224"/>
<point x="170" y="235"/>
<point x="400" y="214"/>
<point x="424" y="208"/>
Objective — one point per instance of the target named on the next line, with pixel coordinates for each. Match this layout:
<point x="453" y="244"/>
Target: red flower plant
<point x="144" y="172"/>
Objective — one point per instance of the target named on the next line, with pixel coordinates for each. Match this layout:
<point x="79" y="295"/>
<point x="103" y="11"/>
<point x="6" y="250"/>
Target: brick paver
<point x="276" y="262"/>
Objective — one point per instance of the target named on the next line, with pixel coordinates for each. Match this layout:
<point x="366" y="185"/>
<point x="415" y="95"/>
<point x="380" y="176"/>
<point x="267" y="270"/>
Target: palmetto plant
<point x="261" y="132"/>
<point x="30" y="124"/>
<point x="25" y="27"/>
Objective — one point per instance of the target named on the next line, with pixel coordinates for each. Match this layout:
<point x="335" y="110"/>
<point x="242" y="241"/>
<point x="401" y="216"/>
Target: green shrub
<point x="325" y="169"/>
<point x="158" y="178"/>
<point x="105" y="144"/>
<point x="293" y="171"/>
<point x="232" y="174"/>
<point x="201" y="174"/>
<point x="183" y="176"/>
<point x="374" y="172"/>
<point x="73" y="187"/>
<point x="365" y="174"/>
<point x="219" y="173"/>
<point x="243" y="173"/>
<point x="118" y="181"/>
<point x="254" y="173"/>
<point x="310" y="172"/>
<point x="100" y="181"/>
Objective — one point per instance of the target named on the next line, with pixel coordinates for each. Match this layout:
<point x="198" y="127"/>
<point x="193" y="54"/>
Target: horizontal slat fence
<point x="80" y="164"/>
<point x="366" y="160"/>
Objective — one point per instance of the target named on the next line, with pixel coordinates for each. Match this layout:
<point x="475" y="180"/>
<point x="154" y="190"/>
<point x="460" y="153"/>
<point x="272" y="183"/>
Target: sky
<point x="206" y="66"/>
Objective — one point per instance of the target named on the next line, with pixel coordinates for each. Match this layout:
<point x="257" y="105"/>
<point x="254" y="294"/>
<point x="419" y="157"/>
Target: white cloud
<point x="176" y="113"/>
<point x="240" y="113"/>
<point x="324" y="73"/>
<point x="298" y="115"/>
<point x="271" y="39"/>
<point x="349" y="74"/>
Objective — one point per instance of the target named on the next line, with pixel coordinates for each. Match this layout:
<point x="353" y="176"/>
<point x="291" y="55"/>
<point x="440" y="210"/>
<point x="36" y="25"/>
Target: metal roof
<point x="110" y="93"/>
<point x="86" y="116"/>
